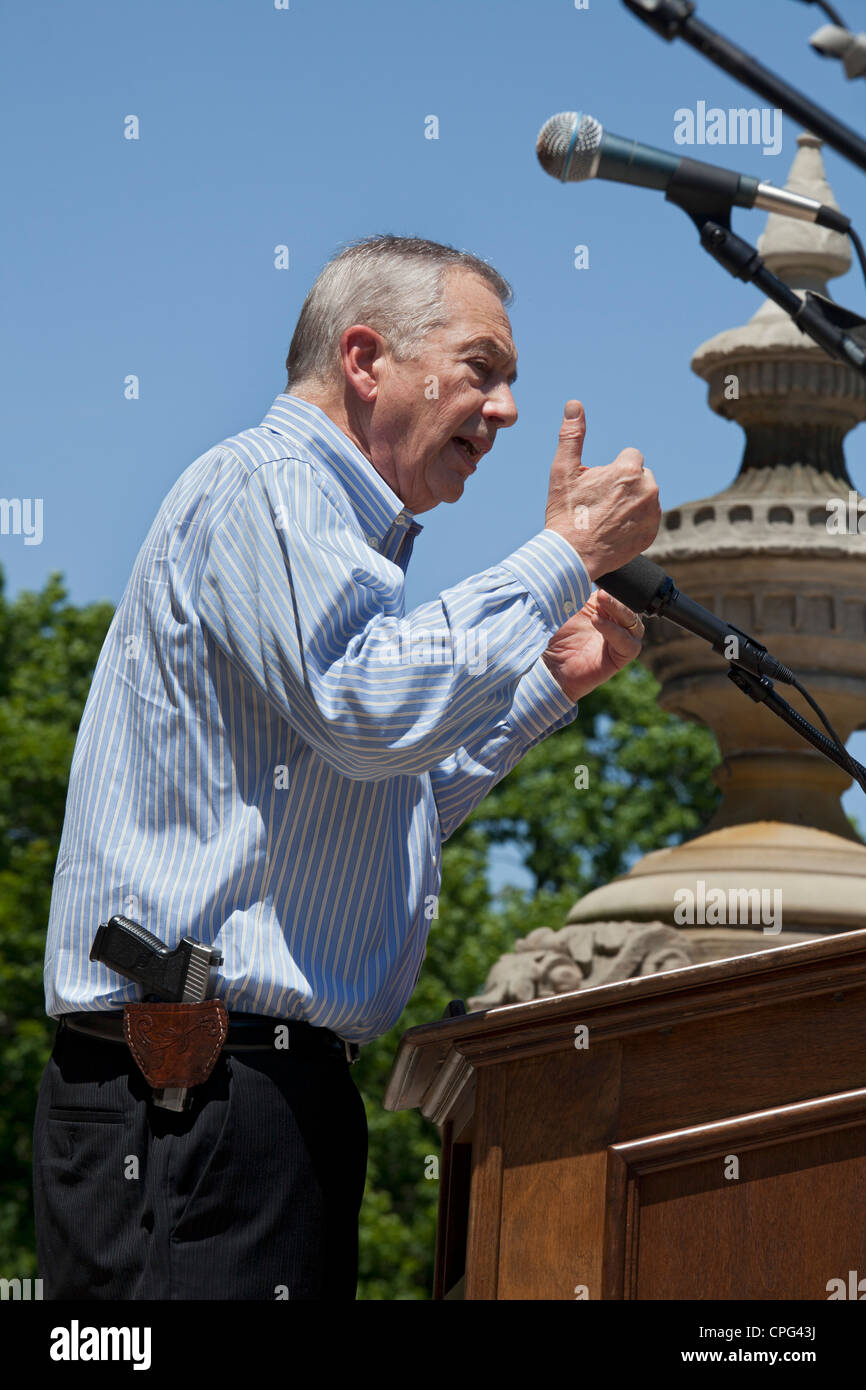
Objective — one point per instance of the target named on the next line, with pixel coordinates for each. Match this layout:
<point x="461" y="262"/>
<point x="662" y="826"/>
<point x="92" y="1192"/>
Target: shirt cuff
<point x="540" y="704"/>
<point x="553" y="573"/>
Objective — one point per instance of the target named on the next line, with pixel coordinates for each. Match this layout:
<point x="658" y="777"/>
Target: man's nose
<point x="501" y="405"/>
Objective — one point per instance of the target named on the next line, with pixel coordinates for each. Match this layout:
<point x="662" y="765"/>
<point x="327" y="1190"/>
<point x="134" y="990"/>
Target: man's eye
<point x="481" y="365"/>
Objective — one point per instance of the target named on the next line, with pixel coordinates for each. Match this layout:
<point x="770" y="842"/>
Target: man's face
<point x="458" y="387"/>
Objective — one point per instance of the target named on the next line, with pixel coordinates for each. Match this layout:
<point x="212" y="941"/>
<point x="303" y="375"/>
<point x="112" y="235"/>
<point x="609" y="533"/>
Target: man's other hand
<point x="593" y="645"/>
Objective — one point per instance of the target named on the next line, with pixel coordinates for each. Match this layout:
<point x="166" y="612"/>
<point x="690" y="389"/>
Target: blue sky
<point x="305" y="127"/>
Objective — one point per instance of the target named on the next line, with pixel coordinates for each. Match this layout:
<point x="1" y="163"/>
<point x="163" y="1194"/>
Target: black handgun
<point x="185" y="975"/>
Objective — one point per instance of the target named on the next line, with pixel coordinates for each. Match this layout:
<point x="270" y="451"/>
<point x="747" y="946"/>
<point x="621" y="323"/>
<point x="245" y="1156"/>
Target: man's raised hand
<point x="609" y="513"/>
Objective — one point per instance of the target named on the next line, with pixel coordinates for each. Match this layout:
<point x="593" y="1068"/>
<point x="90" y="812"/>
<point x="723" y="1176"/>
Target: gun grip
<point x="127" y="947"/>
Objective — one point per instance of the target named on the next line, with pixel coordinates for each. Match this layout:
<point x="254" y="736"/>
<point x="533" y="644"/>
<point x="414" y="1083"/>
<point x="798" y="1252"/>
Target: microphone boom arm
<point x="762" y="691"/>
<point x="674" y="19"/>
<point x="824" y="321"/>
<point x="751" y="655"/>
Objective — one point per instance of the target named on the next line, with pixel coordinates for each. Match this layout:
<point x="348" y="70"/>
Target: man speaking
<point x="271" y="754"/>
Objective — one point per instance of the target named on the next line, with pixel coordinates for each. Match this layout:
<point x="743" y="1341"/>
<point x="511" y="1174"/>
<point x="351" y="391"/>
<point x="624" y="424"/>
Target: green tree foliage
<point x="48" y="649"/>
<point x="648" y="784"/>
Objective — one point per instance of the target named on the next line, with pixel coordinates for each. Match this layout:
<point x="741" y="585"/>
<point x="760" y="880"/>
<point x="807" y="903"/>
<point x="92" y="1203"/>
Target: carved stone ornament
<point x="548" y="962"/>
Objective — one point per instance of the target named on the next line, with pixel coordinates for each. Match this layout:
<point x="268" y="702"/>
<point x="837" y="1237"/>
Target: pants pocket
<point x="87" y="1183"/>
<point x="78" y="1114"/>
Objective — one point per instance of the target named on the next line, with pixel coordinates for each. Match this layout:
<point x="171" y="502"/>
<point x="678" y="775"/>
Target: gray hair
<point x="394" y="284"/>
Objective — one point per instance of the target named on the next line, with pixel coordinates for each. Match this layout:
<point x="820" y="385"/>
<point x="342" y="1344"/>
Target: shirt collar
<point x="384" y="518"/>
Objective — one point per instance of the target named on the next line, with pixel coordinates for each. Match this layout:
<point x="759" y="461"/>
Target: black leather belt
<point x="246" y="1033"/>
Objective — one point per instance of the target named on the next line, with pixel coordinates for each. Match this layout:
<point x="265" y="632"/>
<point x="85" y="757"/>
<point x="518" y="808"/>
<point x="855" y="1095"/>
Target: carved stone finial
<point x="548" y="962"/>
<point x="803" y="249"/>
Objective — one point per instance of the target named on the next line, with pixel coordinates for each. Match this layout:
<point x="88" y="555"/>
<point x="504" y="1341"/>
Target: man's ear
<point x="362" y="350"/>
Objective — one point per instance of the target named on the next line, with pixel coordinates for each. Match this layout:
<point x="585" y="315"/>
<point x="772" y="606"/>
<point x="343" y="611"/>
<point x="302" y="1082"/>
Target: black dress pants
<point x="254" y="1193"/>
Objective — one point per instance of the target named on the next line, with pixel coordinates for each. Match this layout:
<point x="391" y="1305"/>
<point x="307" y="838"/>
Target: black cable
<point x="831" y="731"/>
<point x="858" y="247"/>
<point x="829" y="11"/>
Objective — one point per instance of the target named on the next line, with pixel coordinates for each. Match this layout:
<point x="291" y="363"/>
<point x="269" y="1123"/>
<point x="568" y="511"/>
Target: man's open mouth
<point x="472" y="452"/>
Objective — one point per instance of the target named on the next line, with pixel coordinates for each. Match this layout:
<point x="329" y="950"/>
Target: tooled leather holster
<point x="175" y="1046"/>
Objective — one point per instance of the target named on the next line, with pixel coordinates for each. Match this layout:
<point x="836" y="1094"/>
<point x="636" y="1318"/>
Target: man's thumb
<point x="572" y="434"/>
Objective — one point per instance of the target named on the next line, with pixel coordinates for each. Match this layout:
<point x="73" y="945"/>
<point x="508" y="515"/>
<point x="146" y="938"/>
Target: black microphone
<point x="572" y="147"/>
<point x="645" y="588"/>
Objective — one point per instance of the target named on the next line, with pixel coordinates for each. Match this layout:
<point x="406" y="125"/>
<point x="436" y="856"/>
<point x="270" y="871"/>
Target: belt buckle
<point x="353" y="1052"/>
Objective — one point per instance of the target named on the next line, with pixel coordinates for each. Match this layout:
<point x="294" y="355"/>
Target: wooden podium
<point x="694" y="1134"/>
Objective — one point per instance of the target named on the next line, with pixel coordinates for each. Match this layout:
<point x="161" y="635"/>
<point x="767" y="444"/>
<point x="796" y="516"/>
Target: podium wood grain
<point x="609" y="1171"/>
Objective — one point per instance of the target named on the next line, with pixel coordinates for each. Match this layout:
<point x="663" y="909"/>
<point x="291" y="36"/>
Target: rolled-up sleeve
<point x="293" y="593"/>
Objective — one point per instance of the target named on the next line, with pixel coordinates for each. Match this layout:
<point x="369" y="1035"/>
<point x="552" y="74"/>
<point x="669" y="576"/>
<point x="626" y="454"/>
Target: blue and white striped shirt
<point x="272" y="752"/>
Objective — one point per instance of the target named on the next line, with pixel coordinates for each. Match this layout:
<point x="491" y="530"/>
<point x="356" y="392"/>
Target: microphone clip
<point x="706" y="192"/>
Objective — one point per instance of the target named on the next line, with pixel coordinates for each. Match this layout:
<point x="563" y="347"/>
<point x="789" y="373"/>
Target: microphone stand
<point x="825" y="322"/>
<point x="673" y="19"/>
<point x="821" y="318"/>
<point x="762" y="691"/>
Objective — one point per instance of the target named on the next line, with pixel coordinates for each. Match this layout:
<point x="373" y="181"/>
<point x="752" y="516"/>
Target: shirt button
<point x="400" y="520"/>
<point x="568" y="606"/>
<point x="373" y="542"/>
